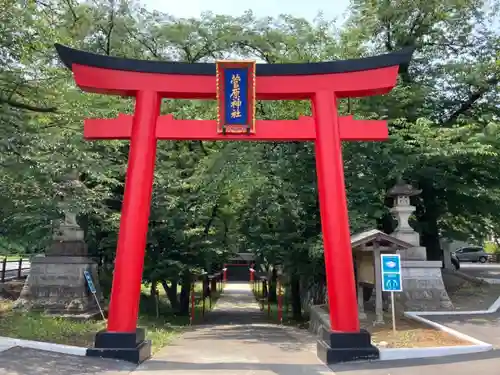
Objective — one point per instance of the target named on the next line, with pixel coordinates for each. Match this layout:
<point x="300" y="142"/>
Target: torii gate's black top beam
<point x="71" y="56"/>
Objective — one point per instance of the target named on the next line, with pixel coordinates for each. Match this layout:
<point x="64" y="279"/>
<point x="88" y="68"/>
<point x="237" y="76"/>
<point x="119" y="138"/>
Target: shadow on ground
<point x="254" y="334"/>
<point x="486" y="363"/>
<point x="24" y="361"/>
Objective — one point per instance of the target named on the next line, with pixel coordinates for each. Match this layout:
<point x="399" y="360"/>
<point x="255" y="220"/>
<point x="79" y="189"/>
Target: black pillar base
<point x="131" y="347"/>
<point x="336" y="347"/>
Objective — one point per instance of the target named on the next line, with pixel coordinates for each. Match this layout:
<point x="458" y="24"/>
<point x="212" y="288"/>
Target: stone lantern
<point x="56" y="283"/>
<point x="68" y="230"/>
<point x="401" y="211"/>
<point x="423" y="287"/>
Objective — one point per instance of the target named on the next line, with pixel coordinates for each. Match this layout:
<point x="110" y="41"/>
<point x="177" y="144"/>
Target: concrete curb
<point x="387" y="354"/>
<point x="493" y="308"/>
<point x="391" y="354"/>
<point x="8" y="343"/>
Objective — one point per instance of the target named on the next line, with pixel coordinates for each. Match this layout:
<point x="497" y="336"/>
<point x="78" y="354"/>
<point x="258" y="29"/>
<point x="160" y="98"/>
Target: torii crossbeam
<point x="236" y="86"/>
<point x="168" y="128"/>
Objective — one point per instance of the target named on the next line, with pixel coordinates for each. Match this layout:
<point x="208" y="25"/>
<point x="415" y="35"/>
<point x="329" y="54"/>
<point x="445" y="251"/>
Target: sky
<point x="309" y="9"/>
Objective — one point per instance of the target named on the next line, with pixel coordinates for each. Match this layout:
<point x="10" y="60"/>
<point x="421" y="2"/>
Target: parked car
<point x="472" y="254"/>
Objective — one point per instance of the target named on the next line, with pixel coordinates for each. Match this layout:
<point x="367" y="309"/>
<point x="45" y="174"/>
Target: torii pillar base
<point x="131" y="347"/>
<point x="338" y="347"/>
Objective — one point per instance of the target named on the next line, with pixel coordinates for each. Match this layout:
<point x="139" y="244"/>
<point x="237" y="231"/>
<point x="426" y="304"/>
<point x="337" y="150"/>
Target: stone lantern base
<point x="56" y="283"/>
<point x="423" y="286"/>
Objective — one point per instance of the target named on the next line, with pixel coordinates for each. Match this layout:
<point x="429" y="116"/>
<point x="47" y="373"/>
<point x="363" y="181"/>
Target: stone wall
<point x="312" y="293"/>
<point x="318" y="319"/>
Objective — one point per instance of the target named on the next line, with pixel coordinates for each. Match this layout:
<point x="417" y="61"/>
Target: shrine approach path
<point x="236" y="339"/>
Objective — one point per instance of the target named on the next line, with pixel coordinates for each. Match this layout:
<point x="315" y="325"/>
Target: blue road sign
<point x="392" y="282"/>
<point x="391" y="263"/>
<point x="391" y="273"/>
<point x="90" y="283"/>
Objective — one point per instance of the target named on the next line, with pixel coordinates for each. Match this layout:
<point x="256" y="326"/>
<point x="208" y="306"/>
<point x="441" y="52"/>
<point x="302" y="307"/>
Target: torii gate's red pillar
<point x="129" y="262"/>
<point x="342" y="299"/>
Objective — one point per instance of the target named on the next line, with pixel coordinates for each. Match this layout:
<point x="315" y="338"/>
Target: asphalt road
<point x="487" y="363"/>
<point x="487" y="271"/>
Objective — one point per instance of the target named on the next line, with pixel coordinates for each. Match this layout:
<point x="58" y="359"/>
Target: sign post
<point x="93" y="290"/>
<point x="391" y="279"/>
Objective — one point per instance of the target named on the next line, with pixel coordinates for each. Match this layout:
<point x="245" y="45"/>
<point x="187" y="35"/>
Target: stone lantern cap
<point x="402" y="188"/>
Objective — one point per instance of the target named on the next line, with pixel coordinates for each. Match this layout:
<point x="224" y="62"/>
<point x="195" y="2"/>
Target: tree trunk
<point x="171" y="292"/>
<point x="428" y="219"/>
<point x="272" y="286"/>
<point x="206" y="287"/>
<point x="153" y="290"/>
<point x="295" y="296"/>
<point x="430" y="239"/>
<point x="386" y="223"/>
<point x="213" y="285"/>
<point x="184" y="300"/>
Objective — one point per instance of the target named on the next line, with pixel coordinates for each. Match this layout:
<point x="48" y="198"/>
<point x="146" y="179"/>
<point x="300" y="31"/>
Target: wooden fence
<point x="14" y="269"/>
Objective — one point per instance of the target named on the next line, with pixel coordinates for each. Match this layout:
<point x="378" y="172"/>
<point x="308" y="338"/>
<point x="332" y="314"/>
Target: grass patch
<point x="12" y="258"/>
<point x="38" y="327"/>
<point x="160" y="329"/>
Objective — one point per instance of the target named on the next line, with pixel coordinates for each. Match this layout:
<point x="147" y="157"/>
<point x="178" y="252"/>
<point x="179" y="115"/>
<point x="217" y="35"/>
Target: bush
<point x="491" y="248"/>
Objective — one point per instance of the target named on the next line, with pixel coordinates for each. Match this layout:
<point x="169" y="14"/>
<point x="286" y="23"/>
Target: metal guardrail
<point x="13" y="269"/>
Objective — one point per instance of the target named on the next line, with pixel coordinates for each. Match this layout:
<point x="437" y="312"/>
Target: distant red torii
<point x="150" y="81"/>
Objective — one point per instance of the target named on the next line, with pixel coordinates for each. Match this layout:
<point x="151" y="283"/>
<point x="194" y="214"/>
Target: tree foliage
<point x="213" y="199"/>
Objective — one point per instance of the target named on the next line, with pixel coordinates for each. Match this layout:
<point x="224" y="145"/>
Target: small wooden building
<point x="366" y="248"/>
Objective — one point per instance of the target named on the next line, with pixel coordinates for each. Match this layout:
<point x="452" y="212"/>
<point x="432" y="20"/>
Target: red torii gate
<point x="149" y="82"/>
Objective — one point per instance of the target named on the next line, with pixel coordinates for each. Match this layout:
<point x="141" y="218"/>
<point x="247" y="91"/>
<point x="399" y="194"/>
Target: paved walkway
<point x="236" y="340"/>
